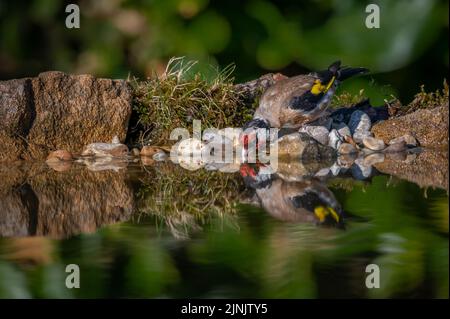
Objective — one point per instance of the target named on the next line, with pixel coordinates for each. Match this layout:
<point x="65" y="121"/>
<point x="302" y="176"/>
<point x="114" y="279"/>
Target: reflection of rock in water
<point x="13" y="211"/>
<point x="428" y="168"/>
<point x="38" y="201"/>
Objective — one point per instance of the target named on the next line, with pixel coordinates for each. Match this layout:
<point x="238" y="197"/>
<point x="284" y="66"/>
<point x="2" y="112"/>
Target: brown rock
<point x="105" y="150"/>
<point x="59" y="155"/>
<point x="302" y="146"/>
<point x="60" y="111"/>
<point x="428" y="126"/>
<point x="373" y="159"/>
<point x="16" y="116"/>
<point x="346" y="148"/>
<point x="346" y="160"/>
<point x="373" y="144"/>
<point x="16" y="106"/>
<point x="59" y="166"/>
<point x="149" y="150"/>
<point x="397" y="147"/>
<point x="147" y="161"/>
<point x="409" y="140"/>
<point x="289" y="170"/>
<point x="135" y="152"/>
<point x="428" y="168"/>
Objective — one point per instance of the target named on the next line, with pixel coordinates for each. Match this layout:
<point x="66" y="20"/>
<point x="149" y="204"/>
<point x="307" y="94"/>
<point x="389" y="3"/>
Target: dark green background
<point x="122" y="37"/>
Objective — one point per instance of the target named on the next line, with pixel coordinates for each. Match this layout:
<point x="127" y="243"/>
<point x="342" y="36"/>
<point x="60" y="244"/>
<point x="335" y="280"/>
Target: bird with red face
<point x="292" y="102"/>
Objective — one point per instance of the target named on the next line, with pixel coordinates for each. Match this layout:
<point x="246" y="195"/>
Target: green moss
<point x="347" y="99"/>
<point x="176" y="98"/>
<point x="422" y="100"/>
<point x="425" y="100"/>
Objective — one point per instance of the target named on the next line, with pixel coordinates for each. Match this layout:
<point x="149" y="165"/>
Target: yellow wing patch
<point x="322" y="212"/>
<point x="318" y="87"/>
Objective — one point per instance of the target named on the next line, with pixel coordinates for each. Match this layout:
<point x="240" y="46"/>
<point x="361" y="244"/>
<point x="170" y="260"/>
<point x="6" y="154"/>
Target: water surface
<point x="158" y="230"/>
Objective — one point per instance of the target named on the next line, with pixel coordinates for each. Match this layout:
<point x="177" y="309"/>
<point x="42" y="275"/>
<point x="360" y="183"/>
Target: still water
<point x="156" y="230"/>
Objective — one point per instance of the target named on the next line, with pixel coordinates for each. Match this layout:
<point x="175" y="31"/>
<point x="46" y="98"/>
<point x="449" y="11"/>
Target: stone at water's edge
<point x="319" y="133"/>
<point x="105" y="150"/>
<point x="60" y="111"/>
<point x="428" y="126"/>
<point x="301" y="146"/>
<point x="16" y="114"/>
<point x="59" y="155"/>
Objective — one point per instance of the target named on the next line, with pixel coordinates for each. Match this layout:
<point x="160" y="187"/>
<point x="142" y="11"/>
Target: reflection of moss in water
<point x="346" y="184"/>
<point x="440" y="213"/>
<point x="175" y="99"/>
<point x="183" y="198"/>
<point x="263" y="258"/>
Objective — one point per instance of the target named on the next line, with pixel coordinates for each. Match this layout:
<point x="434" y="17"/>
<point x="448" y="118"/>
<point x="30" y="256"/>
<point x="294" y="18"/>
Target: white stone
<point x="335" y="169"/>
<point x="323" y="172"/>
<point x="373" y="143"/>
<point x="342" y="129"/>
<point x="359" y="170"/>
<point x="319" y="133"/>
<point x="115" y="140"/>
<point x="359" y="121"/>
<point x="358" y="136"/>
<point x="334" y="139"/>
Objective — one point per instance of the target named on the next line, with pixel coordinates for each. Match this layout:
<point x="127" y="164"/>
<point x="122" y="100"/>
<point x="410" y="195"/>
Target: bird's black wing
<point x="305" y="102"/>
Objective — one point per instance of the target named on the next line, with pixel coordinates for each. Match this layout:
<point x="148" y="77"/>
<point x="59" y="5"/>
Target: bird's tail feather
<point x="345" y="73"/>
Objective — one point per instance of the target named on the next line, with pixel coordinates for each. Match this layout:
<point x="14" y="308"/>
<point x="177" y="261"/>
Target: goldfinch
<point x="301" y="99"/>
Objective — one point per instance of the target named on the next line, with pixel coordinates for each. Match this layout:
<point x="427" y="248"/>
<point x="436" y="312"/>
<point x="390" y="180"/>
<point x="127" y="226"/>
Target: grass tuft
<point x="181" y="95"/>
<point x="428" y="100"/>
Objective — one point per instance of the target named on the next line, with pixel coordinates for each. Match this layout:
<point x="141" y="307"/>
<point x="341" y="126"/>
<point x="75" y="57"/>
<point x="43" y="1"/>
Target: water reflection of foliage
<point x="185" y="199"/>
<point x="403" y="233"/>
<point x="262" y="258"/>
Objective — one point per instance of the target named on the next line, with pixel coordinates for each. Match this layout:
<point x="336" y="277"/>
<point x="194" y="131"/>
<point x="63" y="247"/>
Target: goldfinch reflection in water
<point x="308" y="200"/>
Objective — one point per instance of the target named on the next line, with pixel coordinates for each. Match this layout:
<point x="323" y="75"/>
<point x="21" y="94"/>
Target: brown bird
<point x="301" y="99"/>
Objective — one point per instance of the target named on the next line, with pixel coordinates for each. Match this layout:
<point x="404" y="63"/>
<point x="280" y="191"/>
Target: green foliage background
<point x="407" y="234"/>
<point x="122" y="37"/>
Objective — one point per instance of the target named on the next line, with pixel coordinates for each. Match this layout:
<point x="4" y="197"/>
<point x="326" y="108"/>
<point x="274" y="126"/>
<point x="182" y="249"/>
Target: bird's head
<point x="334" y="74"/>
<point x="250" y="137"/>
<point x="326" y="209"/>
<point x="257" y="175"/>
